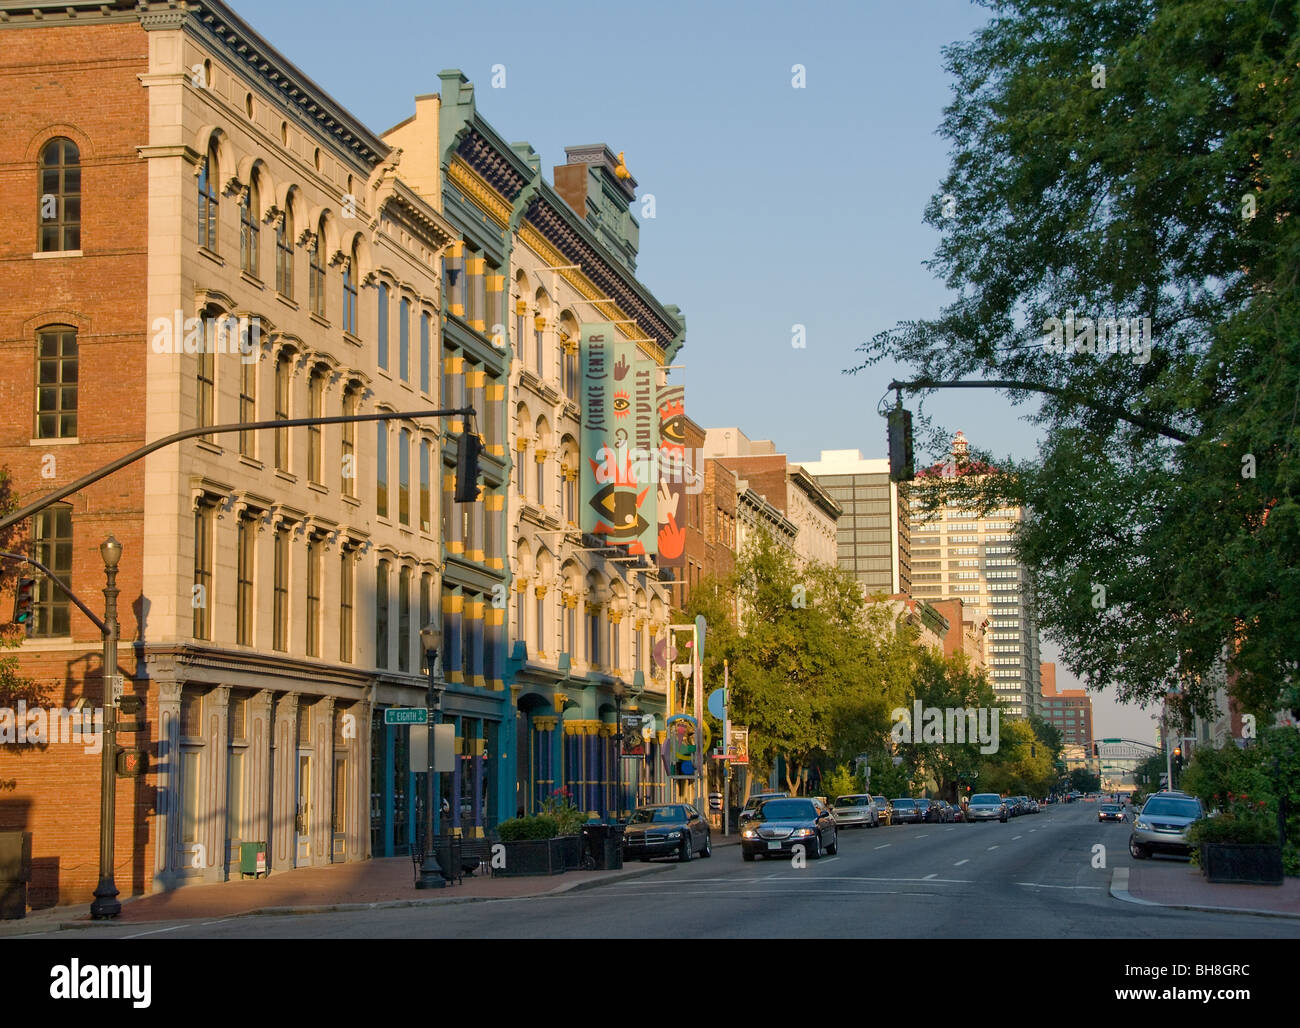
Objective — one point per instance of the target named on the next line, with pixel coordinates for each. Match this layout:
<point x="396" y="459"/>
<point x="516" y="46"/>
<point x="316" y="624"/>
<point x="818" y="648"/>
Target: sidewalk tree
<point x="1134" y="160"/>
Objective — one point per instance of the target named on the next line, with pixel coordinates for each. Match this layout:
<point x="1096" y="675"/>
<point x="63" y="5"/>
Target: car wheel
<point x="749" y="857"/>
<point x="708" y="846"/>
<point x="834" y="847"/>
<point x="1138" y="851"/>
<point x="1003" y="820"/>
<point x="686" y="852"/>
<point x="814" y="851"/>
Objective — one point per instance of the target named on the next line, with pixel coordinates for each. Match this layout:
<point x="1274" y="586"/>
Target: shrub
<point x="1242" y="820"/>
<point x="540" y="826"/>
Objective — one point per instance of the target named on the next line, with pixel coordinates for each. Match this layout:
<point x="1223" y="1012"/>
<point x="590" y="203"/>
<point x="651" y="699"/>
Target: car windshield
<point x="787" y="810"/>
<point x="646" y="815"/>
<point x="986" y="797"/>
<point x="904" y="803"/>
<point x="852" y="801"/>
<point x="1168" y="806"/>
<point x="881" y="801"/>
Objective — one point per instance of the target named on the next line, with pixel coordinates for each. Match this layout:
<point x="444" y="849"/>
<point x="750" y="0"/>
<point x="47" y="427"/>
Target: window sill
<point x="316" y="487"/>
<point x="212" y="255"/>
<point x="319" y="320"/>
<point x="354" y="501"/>
<point x="286" y="300"/>
<point x="252" y="279"/>
<point x="211" y="447"/>
<point x="251" y="462"/>
<point x="61" y="441"/>
<point x="286" y="476"/>
<point x="45" y="255"/>
<point x="355" y="340"/>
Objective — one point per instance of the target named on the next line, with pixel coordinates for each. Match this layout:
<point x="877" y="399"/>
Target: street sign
<point x="406" y="716"/>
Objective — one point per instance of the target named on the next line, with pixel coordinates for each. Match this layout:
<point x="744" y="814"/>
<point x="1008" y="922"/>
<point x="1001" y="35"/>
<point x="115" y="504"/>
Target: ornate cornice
<point x="490" y="165"/>
<point x="479" y="191"/>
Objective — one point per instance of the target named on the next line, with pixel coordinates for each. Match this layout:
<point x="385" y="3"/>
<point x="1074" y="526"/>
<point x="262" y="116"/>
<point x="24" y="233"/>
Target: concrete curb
<point x="1119" y="890"/>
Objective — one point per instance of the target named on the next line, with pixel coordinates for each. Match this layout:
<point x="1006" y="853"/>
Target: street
<point x="1032" y="877"/>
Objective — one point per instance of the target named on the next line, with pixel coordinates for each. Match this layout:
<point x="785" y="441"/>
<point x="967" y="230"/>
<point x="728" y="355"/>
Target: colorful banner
<point x="671" y="507"/>
<point x="620" y="441"/>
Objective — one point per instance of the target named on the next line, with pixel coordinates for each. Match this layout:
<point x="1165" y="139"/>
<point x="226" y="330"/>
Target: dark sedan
<point x="905" y="810"/>
<point x="939" y="812"/>
<point x="666" y="830"/>
<point x="779" y="825"/>
<point x="1110" y="812"/>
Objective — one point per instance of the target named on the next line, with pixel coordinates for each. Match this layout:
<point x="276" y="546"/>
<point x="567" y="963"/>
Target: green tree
<point x="1134" y="159"/>
<point x="1083" y="780"/>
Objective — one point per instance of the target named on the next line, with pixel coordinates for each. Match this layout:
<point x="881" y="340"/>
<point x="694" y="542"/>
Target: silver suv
<point x="1162" y="825"/>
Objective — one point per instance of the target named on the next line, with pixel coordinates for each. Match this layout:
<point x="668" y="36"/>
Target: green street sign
<point x="406" y="716"/>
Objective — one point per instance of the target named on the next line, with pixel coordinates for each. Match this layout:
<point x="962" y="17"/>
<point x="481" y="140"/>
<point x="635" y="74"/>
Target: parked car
<point x="986" y="806"/>
<point x="1110" y="812"/>
<point x="778" y="825"/>
<point x="923" y="804"/>
<point x="666" y="830"/>
<point x="958" y="812"/>
<point x="905" y="810"/>
<point x="1033" y="805"/>
<point x="859" y="810"/>
<point x="883" y="810"/>
<point x="1162" y="825"/>
<point x="753" y="802"/>
<point x="939" y="812"/>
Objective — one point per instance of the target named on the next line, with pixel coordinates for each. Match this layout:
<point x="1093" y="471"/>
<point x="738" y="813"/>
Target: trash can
<point x="252" y="859"/>
<point x="447" y="848"/>
<point x="602" y="847"/>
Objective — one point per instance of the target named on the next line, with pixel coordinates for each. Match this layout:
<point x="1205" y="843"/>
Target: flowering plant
<point x="560" y="806"/>
<point x="1238" y="819"/>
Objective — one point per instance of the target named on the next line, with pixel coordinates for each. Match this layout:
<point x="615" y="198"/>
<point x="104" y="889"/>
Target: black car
<point x="666" y="830"/>
<point x="939" y="812"/>
<point x="779" y="825"/>
<point x="906" y="810"/>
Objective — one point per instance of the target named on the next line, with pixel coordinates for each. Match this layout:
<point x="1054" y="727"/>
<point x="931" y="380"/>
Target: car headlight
<point x="675" y="835"/>
<point x="1143" y="825"/>
<point x="749" y="833"/>
<point x="803" y="833"/>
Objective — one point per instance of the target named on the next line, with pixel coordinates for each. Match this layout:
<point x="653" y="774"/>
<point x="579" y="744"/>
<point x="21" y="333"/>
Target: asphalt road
<point x="1032" y="877"/>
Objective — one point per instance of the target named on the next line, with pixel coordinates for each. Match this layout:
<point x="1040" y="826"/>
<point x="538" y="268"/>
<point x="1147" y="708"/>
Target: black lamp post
<point x="430" y="871"/>
<point x="106" y="904"/>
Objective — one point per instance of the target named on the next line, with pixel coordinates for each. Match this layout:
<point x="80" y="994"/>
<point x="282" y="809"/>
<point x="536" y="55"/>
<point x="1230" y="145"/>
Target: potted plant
<point x="531" y="847"/>
<point x="569" y="821"/>
<point x="1238" y="843"/>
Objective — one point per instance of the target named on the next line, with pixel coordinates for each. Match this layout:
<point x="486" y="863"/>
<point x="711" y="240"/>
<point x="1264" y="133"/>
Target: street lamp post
<point x="430" y="871"/>
<point x="106" y="903"/>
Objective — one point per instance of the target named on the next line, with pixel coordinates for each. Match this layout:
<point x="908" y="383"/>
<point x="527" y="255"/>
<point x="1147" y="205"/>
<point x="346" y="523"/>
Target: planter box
<point x="1243" y="863"/>
<point x="532" y="857"/>
<point x="571" y="845"/>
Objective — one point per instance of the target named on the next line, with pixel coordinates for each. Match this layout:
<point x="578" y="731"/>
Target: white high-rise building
<point x="960" y="553"/>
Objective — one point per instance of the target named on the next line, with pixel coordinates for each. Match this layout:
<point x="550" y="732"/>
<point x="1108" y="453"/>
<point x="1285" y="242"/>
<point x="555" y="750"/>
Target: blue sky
<point x="775" y="206"/>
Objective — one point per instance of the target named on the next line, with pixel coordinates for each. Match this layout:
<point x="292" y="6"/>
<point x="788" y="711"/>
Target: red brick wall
<point x="79" y="82"/>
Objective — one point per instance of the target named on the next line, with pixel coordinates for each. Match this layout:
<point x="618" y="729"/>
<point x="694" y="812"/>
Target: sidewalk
<point x="385" y="882"/>
<point x="1185" y="888"/>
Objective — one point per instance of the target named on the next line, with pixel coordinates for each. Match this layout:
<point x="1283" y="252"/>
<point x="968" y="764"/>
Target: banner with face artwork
<point x="671" y="509"/>
<point x="620" y="441"/>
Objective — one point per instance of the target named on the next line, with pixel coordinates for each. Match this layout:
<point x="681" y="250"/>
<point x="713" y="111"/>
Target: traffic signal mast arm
<point x="1037" y="387"/>
<point x="27" y="511"/>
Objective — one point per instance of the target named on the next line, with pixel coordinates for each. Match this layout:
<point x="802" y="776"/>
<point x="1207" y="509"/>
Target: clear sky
<point x="775" y="206"/>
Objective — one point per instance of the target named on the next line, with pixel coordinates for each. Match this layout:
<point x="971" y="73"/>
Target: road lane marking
<point x="1039" y="885"/>
<point x="881" y="847"/>
<point x="991" y="848"/>
<point x="960" y="862"/>
<point x="925" y="836"/>
<point x="1015" y="837"/>
<point x="156" y="931"/>
<point x="928" y="877"/>
<point x="222" y="921"/>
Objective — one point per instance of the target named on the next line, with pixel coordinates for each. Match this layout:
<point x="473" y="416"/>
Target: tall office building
<point x="872" y="535"/>
<point x="961" y="553"/>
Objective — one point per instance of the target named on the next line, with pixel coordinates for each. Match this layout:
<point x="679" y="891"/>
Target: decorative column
<point x="608" y="784"/>
<point x="474" y="659"/>
<point x="477" y="750"/>
<point x="215" y="775"/>
<point x="168" y="822"/>
<point x="322" y="786"/>
<point x="542" y="780"/>
<point x="284" y="775"/>
<point x="615" y="654"/>
<point x="452" y="606"/>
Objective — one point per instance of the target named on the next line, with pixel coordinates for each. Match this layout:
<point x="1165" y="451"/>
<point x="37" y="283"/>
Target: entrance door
<point x="304" y="814"/>
<point x="338" y="816"/>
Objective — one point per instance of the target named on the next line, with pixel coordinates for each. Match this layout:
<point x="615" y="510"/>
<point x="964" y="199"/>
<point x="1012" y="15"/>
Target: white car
<point x="856" y="809"/>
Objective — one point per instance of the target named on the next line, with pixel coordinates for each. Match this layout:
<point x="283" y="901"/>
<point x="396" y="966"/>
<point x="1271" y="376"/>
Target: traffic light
<point x="900" y="445"/>
<point x="128" y="707"/>
<point x="1178" y="757"/>
<point x="471" y="445"/>
<point x="25" y="604"/>
<point x="132" y="761"/>
<point x="1096" y="750"/>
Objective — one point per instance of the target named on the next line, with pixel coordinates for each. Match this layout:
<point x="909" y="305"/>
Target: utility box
<point x="15" y="873"/>
<point x="252" y="859"/>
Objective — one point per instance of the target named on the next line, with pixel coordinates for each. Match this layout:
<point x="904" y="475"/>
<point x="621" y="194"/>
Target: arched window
<point x="282" y="374"/>
<point x="250" y="232"/>
<point x="383" y="326"/>
<point x="316" y="409"/>
<point x="350" y="293"/>
<point x="56" y="382"/>
<point x="404" y="339"/>
<point x="208" y="200"/>
<point x="60" y="201"/>
<point x="284" y="253"/>
<point x="316" y="272"/>
<point x="349" y="463"/>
